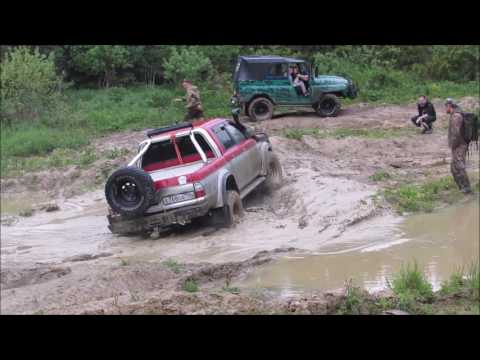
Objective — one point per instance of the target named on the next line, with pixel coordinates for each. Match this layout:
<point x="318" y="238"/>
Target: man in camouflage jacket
<point x="194" y="104"/>
<point x="458" y="145"/>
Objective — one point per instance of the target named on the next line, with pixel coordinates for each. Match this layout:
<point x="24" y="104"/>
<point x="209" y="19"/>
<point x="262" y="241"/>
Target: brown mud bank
<point x="63" y="259"/>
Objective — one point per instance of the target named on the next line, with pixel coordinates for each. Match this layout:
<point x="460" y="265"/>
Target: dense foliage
<point x="29" y="85"/>
<point x="113" y="65"/>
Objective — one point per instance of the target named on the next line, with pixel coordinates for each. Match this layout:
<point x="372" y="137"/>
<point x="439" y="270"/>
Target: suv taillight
<point x="199" y="190"/>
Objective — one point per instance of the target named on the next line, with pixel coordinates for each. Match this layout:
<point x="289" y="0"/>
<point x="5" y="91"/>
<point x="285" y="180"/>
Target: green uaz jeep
<point x="262" y="83"/>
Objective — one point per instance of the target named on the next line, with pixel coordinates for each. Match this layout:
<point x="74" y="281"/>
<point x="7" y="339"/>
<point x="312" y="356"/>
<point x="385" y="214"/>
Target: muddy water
<point x="439" y="242"/>
<point x="79" y="228"/>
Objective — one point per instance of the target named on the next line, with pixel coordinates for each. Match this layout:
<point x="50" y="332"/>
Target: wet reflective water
<point x="439" y="242"/>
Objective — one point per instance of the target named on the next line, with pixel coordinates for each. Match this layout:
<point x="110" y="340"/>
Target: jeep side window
<point x="223" y="136"/>
<point x="235" y="133"/>
<point x="278" y="71"/>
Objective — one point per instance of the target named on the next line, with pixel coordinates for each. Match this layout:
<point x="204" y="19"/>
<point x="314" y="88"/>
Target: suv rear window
<point x="159" y="152"/>
<point x="163" y="155"/>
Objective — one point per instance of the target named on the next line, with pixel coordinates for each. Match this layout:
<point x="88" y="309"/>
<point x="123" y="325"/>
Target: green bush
<point x="30" y="86"/>
<point x="410" y="284"/>
<point x="188" y="63"/>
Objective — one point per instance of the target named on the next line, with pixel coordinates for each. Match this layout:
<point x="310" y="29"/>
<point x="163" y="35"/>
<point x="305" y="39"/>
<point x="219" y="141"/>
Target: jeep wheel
<point x="328" y="106"/>
<point x="233" y="208"/>
<point x="130" y="191"/>
<point x="260" y="109"/>
<point x="274" y="174"/>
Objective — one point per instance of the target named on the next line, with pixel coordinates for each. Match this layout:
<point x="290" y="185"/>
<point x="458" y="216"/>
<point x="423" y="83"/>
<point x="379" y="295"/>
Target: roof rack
<point x="164" y="130"/>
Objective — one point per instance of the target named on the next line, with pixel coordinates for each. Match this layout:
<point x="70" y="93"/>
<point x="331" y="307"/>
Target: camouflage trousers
<point x="194" y="114"/>
<point x="458" y="167"/>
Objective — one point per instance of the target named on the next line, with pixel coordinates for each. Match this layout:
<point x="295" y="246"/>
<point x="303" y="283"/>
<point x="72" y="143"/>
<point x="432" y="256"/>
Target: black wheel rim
<point x="328" y="106"/>
<point x="261" y="109"/>
<point x="127" y="193"/>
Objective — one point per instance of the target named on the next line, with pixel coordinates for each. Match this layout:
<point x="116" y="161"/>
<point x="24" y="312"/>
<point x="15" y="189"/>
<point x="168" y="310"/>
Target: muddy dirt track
<point x="67" y="261"/>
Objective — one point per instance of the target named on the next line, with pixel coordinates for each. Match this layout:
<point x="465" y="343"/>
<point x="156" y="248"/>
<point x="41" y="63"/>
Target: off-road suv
<point x="188" y="171"/>
<point x="262" y="84"/>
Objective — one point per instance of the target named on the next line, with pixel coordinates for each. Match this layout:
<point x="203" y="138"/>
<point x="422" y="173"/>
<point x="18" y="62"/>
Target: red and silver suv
<point x="188" y="171"/>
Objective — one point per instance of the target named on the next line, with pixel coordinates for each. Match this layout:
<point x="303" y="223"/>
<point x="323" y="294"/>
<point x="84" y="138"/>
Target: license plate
<point x="172" y="199"/>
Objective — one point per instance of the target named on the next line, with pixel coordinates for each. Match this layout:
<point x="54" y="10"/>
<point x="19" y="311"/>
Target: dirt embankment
<point x="66" y="261"/>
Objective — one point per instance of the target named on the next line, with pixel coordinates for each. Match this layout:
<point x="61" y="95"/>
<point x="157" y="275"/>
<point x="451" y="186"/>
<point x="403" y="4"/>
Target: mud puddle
<point x="439" y="242"/>
<point x="310" y="210"/>
<point x="79" y="227"/>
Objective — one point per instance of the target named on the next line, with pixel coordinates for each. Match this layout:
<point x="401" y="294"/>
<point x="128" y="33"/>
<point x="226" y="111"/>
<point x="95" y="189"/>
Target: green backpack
<point x="469" y="129"/>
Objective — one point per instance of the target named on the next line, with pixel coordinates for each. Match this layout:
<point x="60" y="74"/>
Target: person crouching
<point x="426" y="115"/>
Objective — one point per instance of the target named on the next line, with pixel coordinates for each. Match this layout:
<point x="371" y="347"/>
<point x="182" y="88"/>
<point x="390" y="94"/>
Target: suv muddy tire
<point x="274" y="178"/>
<point x="233" y="208"/>
<point x="260" y="109"/>
<point x="328" y="106"/>
<point x="130" y="191"/>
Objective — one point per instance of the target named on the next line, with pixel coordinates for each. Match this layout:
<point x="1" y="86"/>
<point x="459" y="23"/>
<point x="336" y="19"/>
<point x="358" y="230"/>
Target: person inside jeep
<point x="299" y="81"/>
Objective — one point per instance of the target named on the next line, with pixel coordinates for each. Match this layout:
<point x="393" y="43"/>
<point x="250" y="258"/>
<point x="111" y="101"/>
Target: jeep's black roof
<point x="270" y="59"/>
<point x="258" y="67"/>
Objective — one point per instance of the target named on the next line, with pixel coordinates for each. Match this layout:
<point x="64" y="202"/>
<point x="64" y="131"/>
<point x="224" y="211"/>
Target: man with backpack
<point x="426" y="115"/>
<point x="462" y="130"/>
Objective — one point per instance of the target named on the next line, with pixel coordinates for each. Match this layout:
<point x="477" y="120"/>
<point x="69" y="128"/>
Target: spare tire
<point x="130" y="191"/>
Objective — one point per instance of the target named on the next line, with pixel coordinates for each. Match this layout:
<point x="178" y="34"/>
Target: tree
<point x="102" y="60"/>
<point x="188" y="63"/>
<point x="29" y="84"/>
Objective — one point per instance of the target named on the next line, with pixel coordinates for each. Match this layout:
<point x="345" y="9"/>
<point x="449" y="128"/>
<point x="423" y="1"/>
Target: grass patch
<point x="411" y="286"/>
<point x="87" y="114"/>
<point x="352" y="302"/>
<point x="231" y="290"/>
<point x="380" y="176"/>
<point x="39" y="140"/>
<point x="454" y="284"/>
<point x="424" y="197"/>
<point x="342" y="133"/>
<point x="463" y="280"/>
<point x="173" y="265"/>
<point x="413" y="294"/>
<point x="58" y="158"/>
<point x="116" y="153"/>
<point x="190" y="286"/>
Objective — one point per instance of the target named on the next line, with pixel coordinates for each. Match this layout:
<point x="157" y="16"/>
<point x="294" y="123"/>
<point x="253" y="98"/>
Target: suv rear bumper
<point x="182" y="215"/>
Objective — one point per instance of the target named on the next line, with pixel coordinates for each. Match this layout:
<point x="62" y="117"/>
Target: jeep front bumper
<point x="352" y="90"/>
